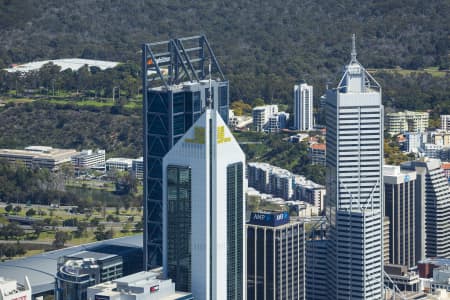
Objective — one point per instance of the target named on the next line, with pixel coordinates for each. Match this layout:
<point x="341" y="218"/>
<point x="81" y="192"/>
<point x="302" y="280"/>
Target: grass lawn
<point x="434" y="71"/>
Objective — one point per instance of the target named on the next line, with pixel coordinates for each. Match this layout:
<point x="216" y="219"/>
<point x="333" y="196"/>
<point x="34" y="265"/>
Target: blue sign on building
<point x="269" y="218"/>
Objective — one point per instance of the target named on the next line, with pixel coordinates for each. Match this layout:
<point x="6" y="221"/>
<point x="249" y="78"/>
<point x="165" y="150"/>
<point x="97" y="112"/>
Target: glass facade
<point x="275" y="262"/>
<point x="235" y="223"/>
<point x="179" y="226"/>
<point x="168" y="115"/>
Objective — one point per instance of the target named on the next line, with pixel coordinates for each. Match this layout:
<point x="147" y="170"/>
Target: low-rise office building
<point x="119" y="164"/>
<point x="38" y="156"/>
<point x="87" y="159"/>
<point x="78" y="271"/>
<point x="138" y="286"/>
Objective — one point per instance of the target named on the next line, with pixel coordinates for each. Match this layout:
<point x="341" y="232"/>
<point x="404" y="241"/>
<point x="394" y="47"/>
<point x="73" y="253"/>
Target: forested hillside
<point x="264" y="46"/>
<point x="67" y="126"/>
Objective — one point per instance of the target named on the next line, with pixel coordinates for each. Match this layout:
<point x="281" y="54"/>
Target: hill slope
<point x="264" y="46"/>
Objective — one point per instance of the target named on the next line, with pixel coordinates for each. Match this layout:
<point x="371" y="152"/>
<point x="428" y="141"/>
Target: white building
<point x="138" y="286"/>
<point x="73" y="64"/>
<point x="277" y="122"/>
<point x="431" y="150"/>
<point x="119" y="164"/>
<point x="414" y="141"/>
<point x="137" y="168"/>
<point x="434" y="193"/>
<point x="38" y="156"/>
<point x="281" y="183"/>
<point x="204" y="211"/>
<point x="88" y="159"/>
<point x="12" y="290"/>
<point x="413" y="121"/>
<point x="261" y="116"/>
<point x="354" y="204"/>
<point x="303" y="107"/>
<point x="445" y="122"/>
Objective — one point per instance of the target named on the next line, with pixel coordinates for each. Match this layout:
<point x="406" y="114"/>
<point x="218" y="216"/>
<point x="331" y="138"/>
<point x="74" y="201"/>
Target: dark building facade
<point x="275" y="257"/>
<point x="178" y="67"/>
<point x="400" y="208"/>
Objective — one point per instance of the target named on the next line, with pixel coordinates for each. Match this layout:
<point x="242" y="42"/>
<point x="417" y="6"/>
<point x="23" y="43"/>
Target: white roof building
<point x="73" y="64"/>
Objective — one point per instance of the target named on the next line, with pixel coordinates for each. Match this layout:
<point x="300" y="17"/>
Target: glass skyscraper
<point x="203" y="211"/>
<point x="170" y="109"/>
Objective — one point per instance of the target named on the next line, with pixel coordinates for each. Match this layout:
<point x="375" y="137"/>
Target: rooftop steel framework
<point x="179" y="60"/>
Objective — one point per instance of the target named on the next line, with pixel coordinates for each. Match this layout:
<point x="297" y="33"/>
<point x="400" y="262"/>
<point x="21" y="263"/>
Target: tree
<point x="61" y="238"/>
<point x="100" y="233"/>
<point x="17" y="209"/>
<point x="258" y="102"/>
<point x="240" y="108"/>
<point x="8" y="208"/>
<point x="31" y="212"/>
<point x="38" y="227"/>
<point x="81" y="229"/>
<point x="11" y="231"/>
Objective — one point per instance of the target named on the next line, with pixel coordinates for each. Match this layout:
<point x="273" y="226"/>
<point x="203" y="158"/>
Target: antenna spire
<point x="209" y="102"/>
<point x="353" y="54"/>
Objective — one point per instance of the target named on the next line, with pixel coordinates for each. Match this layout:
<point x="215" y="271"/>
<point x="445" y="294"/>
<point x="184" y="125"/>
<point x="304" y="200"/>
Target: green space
<point x="434" y="71"/>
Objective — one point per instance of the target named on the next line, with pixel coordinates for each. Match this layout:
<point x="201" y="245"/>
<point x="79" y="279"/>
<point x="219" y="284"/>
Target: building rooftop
<point x="73" y="64"/>
<point x="41" y="269"/>
<point x="39" y="152"/>
<point x="318" y="146"/>
<point x="120" y="160"/>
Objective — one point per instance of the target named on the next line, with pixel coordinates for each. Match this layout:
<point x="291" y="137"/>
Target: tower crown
<point x="356" y="79"/>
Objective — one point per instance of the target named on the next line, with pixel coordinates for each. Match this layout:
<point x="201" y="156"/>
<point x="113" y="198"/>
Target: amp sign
<point x="269" y="218"/>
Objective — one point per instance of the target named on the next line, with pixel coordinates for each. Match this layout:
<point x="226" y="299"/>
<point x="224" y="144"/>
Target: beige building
<point x="39" y="156"/>
<point x="441" y="138"/>
<point x="412" y="121"/>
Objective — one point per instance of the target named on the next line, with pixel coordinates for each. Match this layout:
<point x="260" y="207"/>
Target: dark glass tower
<point x="175" y="89"/>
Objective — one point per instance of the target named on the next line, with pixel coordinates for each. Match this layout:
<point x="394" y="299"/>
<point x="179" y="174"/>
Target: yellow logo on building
<point x="199" y="136"/>
<point x="221" y="135"/>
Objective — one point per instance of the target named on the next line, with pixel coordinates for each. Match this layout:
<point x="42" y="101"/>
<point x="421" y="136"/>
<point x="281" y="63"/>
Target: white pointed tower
<point x="354" y="204"/>
<point x="203" y="211"/>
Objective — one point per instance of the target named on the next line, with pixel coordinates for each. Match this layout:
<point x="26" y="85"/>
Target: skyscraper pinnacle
<point x="353" y="54"/>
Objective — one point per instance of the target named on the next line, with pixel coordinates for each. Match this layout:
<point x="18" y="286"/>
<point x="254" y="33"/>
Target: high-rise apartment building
<point x="303" y="107"/>
<point x="354" y="206"/>
<point x="179" y="66"/>
<point x="400" y="207"/>
<point x="434" y="193"/>
<point x="204" y="211"/>
<point x="275" y="257"/>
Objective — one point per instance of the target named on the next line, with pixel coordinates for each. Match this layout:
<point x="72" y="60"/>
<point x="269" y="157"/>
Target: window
<point x="179" y="226"/>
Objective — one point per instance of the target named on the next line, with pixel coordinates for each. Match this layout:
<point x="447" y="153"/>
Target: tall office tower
<point x="400" y="207"/>
<point x="179" y="68"/>
<point x="204" y="211"/>
<point x="316" y="262"/>
<point x="303" y="107"/>
<point x="354" y="204"/>
<point x="275" y="257"/>
<point x="433" y="192"/>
